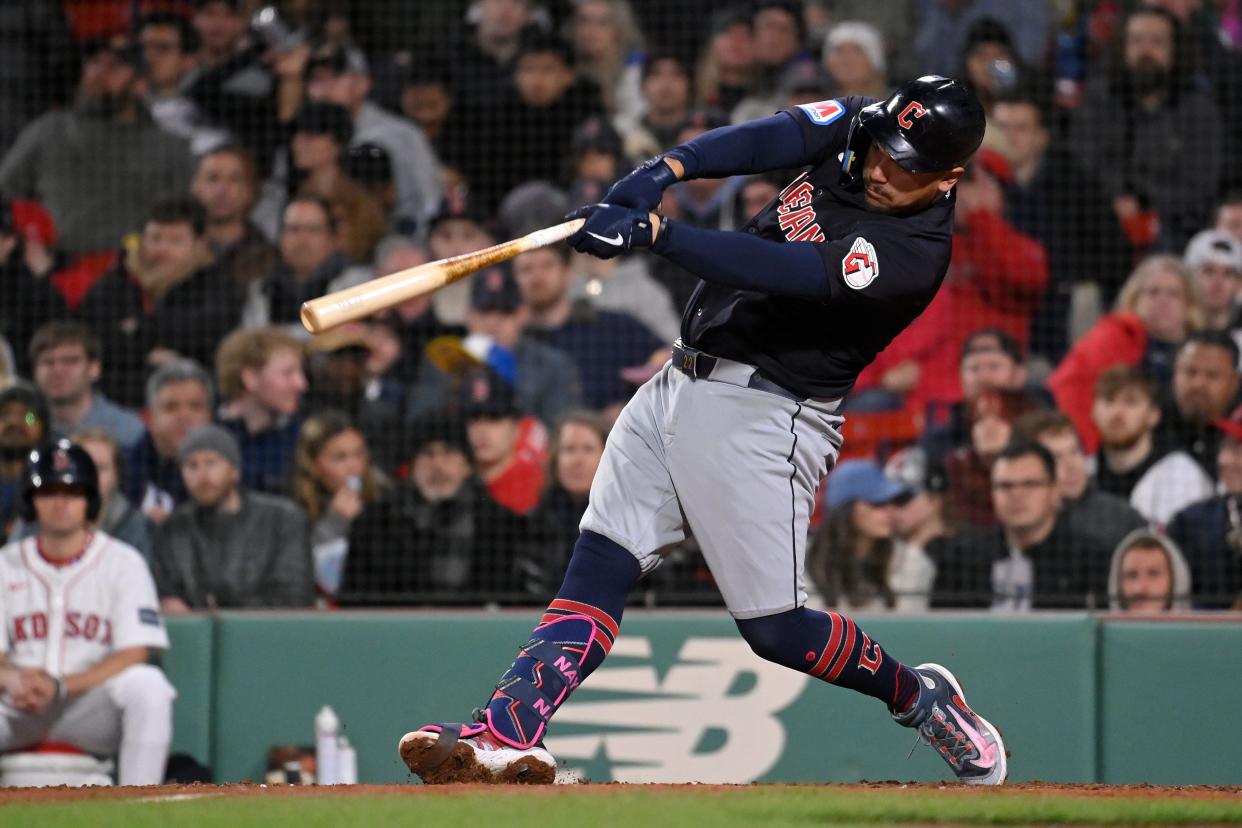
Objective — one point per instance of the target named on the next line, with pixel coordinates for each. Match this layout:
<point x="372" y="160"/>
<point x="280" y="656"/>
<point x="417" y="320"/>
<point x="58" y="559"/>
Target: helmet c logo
<point x="913" y="111"/>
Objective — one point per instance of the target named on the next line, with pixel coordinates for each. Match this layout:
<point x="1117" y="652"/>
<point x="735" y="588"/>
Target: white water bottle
<point x="327" y="767"/>
<point x="347" y="762"/>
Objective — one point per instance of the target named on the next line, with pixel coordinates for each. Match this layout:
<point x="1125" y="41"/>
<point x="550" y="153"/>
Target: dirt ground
<point x="62" y="794"/>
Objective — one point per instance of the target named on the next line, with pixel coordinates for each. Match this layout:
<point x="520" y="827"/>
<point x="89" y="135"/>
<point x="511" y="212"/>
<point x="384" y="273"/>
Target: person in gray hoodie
<point x="1148" y="574"/>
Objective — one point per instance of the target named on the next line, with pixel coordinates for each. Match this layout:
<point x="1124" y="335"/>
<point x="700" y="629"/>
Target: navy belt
<point x="699" y="365"/>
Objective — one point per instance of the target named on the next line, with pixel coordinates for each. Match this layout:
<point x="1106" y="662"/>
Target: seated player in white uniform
<point x="80" y="620"/>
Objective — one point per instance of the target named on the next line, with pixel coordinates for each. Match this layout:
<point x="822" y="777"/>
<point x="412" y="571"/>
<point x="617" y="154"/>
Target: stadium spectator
<point x="1138" y="119"/>
<point x="526" y="135"/>
<point x="545" y="378"/>
<point x="168" y="43"/>
<point x="27" y="299"/>
<point x="67" y="364"/>
<point x="608" y="50"/>
<point x="370" y="167"/>
<point x="1155" y="311"/>
<point x="162" y="302"/>
<point x="414" y="321"/>
<point x="1209" y="532"/>
<point x="225" y="183"/>
<point x="484" y="59"/>
<point x="310" y="258"/>
<point x="576" y="448"/>
<point x="493" y="418"/>
<point x="1031" y="560"/>
<point x="321" y="132"/>
<point x="666" y="101"/>
<point x="245" y="84"/>
<point x="1158" y="480"/>
<point x="1148" y="574"/>
<point x="701" y="201"/>
<point x="596" y="160"/>
<point x="849" y="559"/>
<point x="259" y="374"/>
<point x="179" y="397"/>
<point x="1205" y="388"/>
<point x="460" y="227"/>
<point x="990" y="359"/>
<point x="118" y="517"/>
<point x="333" y="480"/>
<point x="440" y="538"/>
<point x="96" y="690"/>
<point x="1055" y="200"/>
<point x="625" y="285"/>
<point x="229" y="547"/>
<point x="427" y="101"/>
<point x="922" y="524"/>
<point x="107" y="141"/>
<point x="24" y="424"/>
<point x="601" y="343"/>
<point x="895" y="21"/>
<point x="779" y="33"/>
<point x="1229" y="214"/>
<point x="854" y="59"/>
<point x="726" y="71"/>
<point x="341" y="379"/>
<point x="1086" y="511"/>
<point x="1215" y="258"/>
<point x="992" y="415"/>
<point x="340" y="75"/>
<point x="943" y="29"/>
<point x="996" y="280"/>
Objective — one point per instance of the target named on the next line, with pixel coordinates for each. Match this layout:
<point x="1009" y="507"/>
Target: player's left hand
<point x="38" y="690"/>
<point x="611" y="230"/>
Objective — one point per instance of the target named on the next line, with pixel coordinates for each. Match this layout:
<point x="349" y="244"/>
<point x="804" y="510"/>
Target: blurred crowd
<point x="1058" y="430"/>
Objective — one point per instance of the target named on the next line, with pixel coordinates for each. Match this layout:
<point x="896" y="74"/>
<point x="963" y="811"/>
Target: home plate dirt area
<point x="886" y="803"/>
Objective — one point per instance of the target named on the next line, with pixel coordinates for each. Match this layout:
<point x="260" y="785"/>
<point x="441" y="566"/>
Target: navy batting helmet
<point x="927" y="125"/>
<point x="58" y="464"/>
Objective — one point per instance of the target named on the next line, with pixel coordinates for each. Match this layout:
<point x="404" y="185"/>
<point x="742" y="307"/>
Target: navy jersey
<point x="882" y="271"/>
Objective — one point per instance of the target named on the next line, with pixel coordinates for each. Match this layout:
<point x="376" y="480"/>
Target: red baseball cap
<point x="1231" y="425"/>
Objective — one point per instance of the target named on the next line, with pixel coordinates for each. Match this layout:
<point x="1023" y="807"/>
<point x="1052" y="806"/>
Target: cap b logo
<point x="60" y="461"/>
<point x="478" y="390"/>
<point x="913" y="111"/>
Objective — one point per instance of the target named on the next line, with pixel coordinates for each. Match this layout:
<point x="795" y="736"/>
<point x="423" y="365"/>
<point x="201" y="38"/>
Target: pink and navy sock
<point x="831" y="647"/>
<point x="583" y="622"/>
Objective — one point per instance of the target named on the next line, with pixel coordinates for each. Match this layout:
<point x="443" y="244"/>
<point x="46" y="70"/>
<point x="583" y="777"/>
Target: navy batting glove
<point x="610" y="230"/>
<point x="643" y="188"/>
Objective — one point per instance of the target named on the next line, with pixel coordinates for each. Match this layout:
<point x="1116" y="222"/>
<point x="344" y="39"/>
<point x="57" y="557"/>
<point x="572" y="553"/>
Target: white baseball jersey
<point x="68" y="618"/>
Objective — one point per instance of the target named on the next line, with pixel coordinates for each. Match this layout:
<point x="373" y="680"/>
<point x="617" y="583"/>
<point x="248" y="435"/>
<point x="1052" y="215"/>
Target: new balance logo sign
<point x="860" y="267"/>
<point x="714" y="716"/>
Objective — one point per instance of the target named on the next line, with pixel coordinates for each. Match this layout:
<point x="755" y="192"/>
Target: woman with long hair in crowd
<point x="608" y="49"/>
<point x="576" y="447"/>
<point x="726" y="71"/>
<point x="850" y="556"/>
<point x="1157" y="308"/>
<point x="333" y="479"/>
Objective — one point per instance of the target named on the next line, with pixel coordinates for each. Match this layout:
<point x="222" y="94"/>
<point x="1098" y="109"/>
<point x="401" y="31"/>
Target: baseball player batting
<point x="80" y="614"/>
<point x="732" y="438"/>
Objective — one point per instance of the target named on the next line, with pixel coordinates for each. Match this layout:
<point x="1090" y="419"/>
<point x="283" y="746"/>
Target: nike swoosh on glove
<point x="643" y="188"/>
<point x="610" y="230"/>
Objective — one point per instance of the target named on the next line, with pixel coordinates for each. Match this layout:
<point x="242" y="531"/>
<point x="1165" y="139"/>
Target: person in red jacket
<point x="996" y="279"/>
<point x="1156" y="309"/>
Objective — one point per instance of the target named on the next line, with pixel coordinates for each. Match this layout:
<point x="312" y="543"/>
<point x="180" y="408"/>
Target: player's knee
<point x="142" y="685"/>
<point x="776" y="638"/>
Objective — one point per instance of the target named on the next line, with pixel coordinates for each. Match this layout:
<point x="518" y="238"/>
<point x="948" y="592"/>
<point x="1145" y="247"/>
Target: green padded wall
<point x="188" y="665"/>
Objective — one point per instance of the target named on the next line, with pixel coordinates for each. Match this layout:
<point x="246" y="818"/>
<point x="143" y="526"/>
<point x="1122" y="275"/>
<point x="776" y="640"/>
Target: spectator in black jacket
<point x="1205" y="387"/>
<point x="1209" y="533"/>
<point x="439" y="538"/>
<point x="1032" y="560"/>
<point x="163" y="302"/>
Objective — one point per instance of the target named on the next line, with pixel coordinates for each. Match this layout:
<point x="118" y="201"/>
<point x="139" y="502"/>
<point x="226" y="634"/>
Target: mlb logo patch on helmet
<point x="860" y="267"/>
<point x="823" y="112"/>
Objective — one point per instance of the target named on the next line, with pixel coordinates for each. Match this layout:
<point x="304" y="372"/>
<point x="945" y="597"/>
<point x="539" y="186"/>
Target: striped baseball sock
<point x="832" y="648"/>
<point x="583" y="621"/>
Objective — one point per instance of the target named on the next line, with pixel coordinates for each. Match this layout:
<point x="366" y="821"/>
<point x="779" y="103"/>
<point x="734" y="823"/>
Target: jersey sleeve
<point x="136" y="619"/>
<point x="826" y="125"/>
<point x="878" y="267"/>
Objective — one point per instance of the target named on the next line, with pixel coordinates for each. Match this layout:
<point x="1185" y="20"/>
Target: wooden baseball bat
<point x="369" y="298"/>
